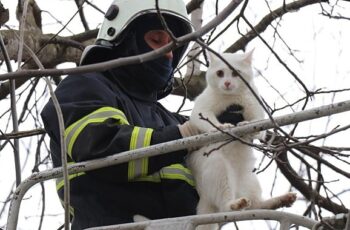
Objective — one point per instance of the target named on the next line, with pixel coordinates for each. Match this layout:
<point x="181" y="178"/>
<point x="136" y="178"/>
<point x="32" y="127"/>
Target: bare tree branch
<point x="22" y="134"/>
<point x="66" y="191"/>
<point x="197" y="83"/>
<point x="60" y="50"/>
<point x="309" y="193"/>
<point x="128" y="60"/>
<point x="79" y="4"/>
<point x="305" y="165"/>
<point x="267" y="20"/>
<point x="194" y="141"/>
<point x="193" y="4"/>
<point x="4" y="15"/>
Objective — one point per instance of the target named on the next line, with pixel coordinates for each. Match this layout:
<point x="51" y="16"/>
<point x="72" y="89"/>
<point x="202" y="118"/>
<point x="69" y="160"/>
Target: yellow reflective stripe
<point x="60" y="184"/>
<point x="131" y="170"/>
<point x="98" y="116"/>
<point x="60" y="181"/>
<point x="140" y="137"/>
<point x="131" y="164"/>
<point x="133" y="139"/>
<point x="177" y="172"/>
<point x="151" y="178"/>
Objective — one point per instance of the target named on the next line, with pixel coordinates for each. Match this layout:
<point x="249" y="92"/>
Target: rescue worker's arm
<point x="95" y="129"/>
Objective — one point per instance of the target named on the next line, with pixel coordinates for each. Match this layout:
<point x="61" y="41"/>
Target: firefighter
<point x="117" y="110"/>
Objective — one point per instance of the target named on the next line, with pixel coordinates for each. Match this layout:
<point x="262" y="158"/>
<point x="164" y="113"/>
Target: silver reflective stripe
<point x="140" y="137"/>
<point x="172" y="172"/>
<point x="139" y="164"/>
<point x="177" y="172"/>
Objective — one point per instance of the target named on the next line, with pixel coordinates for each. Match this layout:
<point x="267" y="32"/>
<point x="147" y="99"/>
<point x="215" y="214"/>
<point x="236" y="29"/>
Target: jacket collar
<point x="132" y="85"/>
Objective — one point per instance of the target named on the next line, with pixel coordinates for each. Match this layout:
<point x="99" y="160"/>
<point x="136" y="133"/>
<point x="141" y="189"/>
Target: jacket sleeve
<point x="95" y="128"/>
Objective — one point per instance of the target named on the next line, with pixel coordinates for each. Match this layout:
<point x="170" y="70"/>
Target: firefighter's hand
<point x="187" y="129"/>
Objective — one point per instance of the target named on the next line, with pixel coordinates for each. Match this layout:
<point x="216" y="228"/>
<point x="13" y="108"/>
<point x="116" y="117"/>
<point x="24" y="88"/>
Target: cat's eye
<point x="220" y="73"/>
<point x="235" y="73"/>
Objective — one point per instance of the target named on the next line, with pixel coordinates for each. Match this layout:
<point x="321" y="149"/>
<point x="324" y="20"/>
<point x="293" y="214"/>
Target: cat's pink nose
<point x="227" y="84"/>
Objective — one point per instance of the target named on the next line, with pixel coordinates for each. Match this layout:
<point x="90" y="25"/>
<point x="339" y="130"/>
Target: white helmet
<point x="122" y="13"/>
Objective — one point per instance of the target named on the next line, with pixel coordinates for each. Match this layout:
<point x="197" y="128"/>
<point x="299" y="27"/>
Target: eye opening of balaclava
<point x="145" y="23"/>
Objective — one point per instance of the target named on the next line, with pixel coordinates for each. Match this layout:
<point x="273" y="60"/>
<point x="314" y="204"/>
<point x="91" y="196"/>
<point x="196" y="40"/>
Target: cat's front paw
<point x="242" y="123"/>
<point x="241" y="203"/>
<point x="226" y="126"/>
<point x="222" y="127"/>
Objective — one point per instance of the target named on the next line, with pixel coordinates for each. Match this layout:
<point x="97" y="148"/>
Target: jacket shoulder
<point x="88" y="86"/>
<point x="93" y="80"/>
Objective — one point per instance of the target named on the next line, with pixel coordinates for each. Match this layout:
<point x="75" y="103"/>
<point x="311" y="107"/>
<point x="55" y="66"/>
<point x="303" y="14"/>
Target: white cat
<point x="225" y="180"/>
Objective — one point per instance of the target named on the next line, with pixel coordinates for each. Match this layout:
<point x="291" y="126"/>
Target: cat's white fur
<point x="225" y="179"/>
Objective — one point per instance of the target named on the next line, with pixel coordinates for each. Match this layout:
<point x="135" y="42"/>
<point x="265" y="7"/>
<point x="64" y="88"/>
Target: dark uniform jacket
<point x="102" y="118"/>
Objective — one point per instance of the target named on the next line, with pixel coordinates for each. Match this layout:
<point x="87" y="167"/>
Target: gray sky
<point x="322" y="53"/>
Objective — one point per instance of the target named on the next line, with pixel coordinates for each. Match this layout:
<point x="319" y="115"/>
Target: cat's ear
<point x="248" y="56"/>
<point x="212" y="57"/>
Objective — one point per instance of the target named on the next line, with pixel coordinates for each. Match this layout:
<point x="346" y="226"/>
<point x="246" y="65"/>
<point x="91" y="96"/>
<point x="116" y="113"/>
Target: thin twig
<point x="52" y="38"/>
<point x="95" y="7"/>
<point x="79" y="4"/>
<point x="232" y="137"/>
<point x="13" y="112"/>
<point x="21" y="134"/>
<point x="36" y="169"/>
<point x="267" y="20"/>
<point x="62" y="141"/>
<point x="164" y="24"/>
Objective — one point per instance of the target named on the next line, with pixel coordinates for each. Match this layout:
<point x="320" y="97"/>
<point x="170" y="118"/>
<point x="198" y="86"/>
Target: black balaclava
<point x="148" y="80"/>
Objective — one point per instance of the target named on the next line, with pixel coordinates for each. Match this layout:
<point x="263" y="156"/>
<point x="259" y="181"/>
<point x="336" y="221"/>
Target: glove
<point x="232" y="115"/>
<point x="187" y="129"/>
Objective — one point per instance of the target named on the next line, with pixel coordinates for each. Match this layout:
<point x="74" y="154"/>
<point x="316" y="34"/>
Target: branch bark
<point x="56" y="52"/>
<point x="21" y="134"/>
